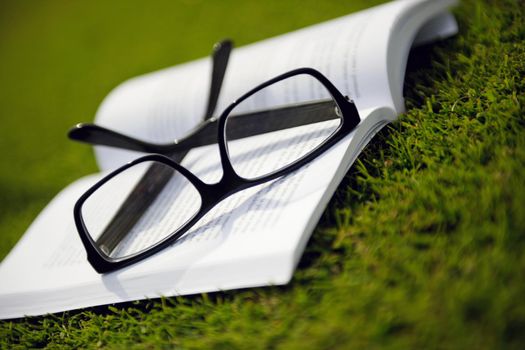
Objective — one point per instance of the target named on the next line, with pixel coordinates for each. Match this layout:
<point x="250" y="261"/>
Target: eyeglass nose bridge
<point x="229" y="184"/>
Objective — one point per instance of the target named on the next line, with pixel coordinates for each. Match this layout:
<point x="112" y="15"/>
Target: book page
<point x="352" y="51"/>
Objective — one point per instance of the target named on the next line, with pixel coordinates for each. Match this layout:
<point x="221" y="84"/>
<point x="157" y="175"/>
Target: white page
<point x="352" y="51"/>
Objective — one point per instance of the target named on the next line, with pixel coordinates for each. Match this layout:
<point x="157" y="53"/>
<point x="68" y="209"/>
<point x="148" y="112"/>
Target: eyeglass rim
<point x="341" y="101"/>
<point x="230" y="183"/>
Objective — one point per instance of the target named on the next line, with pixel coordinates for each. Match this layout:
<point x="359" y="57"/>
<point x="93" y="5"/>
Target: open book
<point x="257" y="236"/>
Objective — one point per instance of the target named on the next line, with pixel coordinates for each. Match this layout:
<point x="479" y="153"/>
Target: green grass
<point x="422" y="246"/>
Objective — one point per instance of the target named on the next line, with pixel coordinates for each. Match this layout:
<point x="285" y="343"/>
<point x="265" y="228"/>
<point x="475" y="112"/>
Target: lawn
<point x="422" y="246"/>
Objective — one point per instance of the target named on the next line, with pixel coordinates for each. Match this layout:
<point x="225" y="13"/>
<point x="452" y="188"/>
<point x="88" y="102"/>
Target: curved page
<point x="363" y="54"/>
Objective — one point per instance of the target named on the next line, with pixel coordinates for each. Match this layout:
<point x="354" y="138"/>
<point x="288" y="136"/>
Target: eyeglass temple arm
<point x="97" y="135"/>
<point x="249" y="124"/>
<point x="220" y="57"/>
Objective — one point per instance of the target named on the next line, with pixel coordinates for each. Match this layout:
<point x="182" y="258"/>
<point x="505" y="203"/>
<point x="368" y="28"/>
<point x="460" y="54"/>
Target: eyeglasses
<point x="149" y="203"/>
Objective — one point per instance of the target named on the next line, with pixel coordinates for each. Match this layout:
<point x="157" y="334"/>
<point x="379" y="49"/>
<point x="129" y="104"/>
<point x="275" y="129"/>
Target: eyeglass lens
<point x="306" y="121"/>
<point x="138" y="208"/>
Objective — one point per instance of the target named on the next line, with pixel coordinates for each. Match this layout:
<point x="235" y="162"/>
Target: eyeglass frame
<point x="230" y="182"/>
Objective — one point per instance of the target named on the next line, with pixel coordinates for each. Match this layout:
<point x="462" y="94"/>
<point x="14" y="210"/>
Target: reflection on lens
<point x="138" y="208"/>
<point x="276" y="126"/>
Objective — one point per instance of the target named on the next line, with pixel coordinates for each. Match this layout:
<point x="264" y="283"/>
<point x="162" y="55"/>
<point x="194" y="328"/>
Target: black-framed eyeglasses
<point x="270" y="131"/>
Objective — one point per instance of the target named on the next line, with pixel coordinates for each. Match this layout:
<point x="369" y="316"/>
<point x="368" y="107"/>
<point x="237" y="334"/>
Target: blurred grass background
<point x="422" y="245"/>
